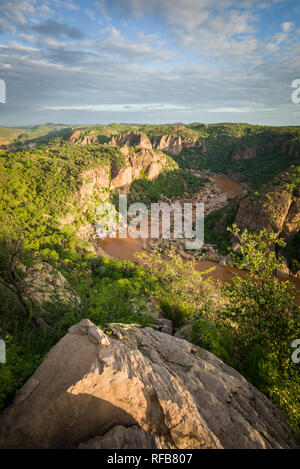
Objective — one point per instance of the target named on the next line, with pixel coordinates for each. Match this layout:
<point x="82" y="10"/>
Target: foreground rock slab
<point x="132" y="387"/>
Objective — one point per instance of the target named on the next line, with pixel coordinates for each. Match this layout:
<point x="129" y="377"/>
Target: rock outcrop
<point x="283" y="145"/>
<point x="45" y="284"/>
<point x="292" y="221"/>
<point x="93" y="181"/>
<point x="121" y="437"/>
<point x="246" y="153"/>
<point x="133" y="387"/>
<point x="143" y="160"/>
<point x="170" y="143"/>
<point x="131" y="139"/>
<point x="277" y="210"/>
<point x="161" y="323"/>
<point x="83" y="139"/>
<point x="266" y="211"/>
<point x="175" y="145"/>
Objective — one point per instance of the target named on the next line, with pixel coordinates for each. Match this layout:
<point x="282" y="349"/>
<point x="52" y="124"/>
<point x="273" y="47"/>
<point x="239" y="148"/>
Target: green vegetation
<point x="215" y="228"/>
<point x="291" y="252"/>
<point x="250" y="323"/>
<point x="37" y="186"/>
<point x="226" y="146"/>
<point x="267" y="320"/>
<point x="256" y="154"/>
<point x="255" y="171"/>
<point x="105" y="288"/>
<point x="170" y="184"/>
<point x="182" y="291"/>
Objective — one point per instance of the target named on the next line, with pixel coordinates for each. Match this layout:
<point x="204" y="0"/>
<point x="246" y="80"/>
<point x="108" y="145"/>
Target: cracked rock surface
<point x="131" y="387"/>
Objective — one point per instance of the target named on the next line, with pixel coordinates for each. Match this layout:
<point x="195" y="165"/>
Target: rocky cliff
<point x="170" y="143"/>
<point x="131" y="139"/>
<point x="81" y="138"/>
<point x="277" y="209"/>
<point x="142" y="162"/>
<point x="138" y="388"/>
<point x="134" y="159"/>
<point x="281" y="145"/>
<point x="139" y="159"/>
<point x="175" y="145"/>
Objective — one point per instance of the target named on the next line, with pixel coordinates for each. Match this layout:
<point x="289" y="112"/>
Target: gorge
<point x="65" y="293"/>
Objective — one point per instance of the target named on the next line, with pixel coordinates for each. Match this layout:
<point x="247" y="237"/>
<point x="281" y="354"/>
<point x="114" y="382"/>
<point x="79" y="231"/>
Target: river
<point x="125" y="249"/>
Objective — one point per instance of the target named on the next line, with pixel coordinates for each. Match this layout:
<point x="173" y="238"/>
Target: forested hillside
<point x="52" y="179"/>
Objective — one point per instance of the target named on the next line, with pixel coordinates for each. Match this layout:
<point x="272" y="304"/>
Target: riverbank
<point x="215" y="195"/>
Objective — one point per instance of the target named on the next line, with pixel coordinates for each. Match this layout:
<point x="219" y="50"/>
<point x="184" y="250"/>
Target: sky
<point x="149" y="61"/>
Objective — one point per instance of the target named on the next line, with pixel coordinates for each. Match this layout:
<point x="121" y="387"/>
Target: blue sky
<point x="155" y="61"/>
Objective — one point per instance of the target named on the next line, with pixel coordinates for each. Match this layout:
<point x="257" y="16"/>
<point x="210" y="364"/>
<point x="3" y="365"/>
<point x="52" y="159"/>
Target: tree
<point x="15" y="284"/>
<point x="262" y="306"/>
<point x="183" y="293"/>
<point x="264" y="319"/>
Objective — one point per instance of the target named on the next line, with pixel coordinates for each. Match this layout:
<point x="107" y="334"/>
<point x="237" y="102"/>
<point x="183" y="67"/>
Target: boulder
<point x="185" y="332"/>
<point x="105" y="389"/>
<point x="45" y="284"/>
<point x="161" y="323"/>
<point x="276" y="208"/>
<point x="266" y="211"/>
<point x="121" y="437"/>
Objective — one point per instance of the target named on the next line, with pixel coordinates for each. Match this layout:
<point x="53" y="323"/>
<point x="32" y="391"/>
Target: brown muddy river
<point x="228" y="186"/>
<point x="125" y="249"/>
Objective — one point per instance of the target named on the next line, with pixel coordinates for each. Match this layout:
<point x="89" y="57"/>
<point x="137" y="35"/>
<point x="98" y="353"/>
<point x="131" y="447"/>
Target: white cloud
<point x="287" y="26"/>
<point x="234" y="110"/>
<point x="145" y="48"/>
<point x="223" y="70"/>
<point x="208" y="26"/>
<point x="228" y="109"/>
<point x="119" y="107"/>
<point x="15" y="46"/>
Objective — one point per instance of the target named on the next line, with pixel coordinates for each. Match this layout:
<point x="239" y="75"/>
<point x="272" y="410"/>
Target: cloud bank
<point x="140" y="61"/>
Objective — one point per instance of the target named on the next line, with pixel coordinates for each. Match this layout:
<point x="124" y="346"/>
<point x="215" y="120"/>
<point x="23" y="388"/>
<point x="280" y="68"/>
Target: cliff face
<point x="292" y="221"/>
<point x="172" y="144"/>
<point x="139" y="159"/>
<point x="81" y="139"/>
<point x="143" y="160"/>
<point x="244" y="153"/>
<point x="282" y="145"/>
<point x="268" y="211"/>
<point x="93" y="180"/>
<point x="136" y="159"/>
<point x="277" y="210"/>
<point x="175" y="145"/>
<point x="131" y="139"/>
<point x="138" y="388"/>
